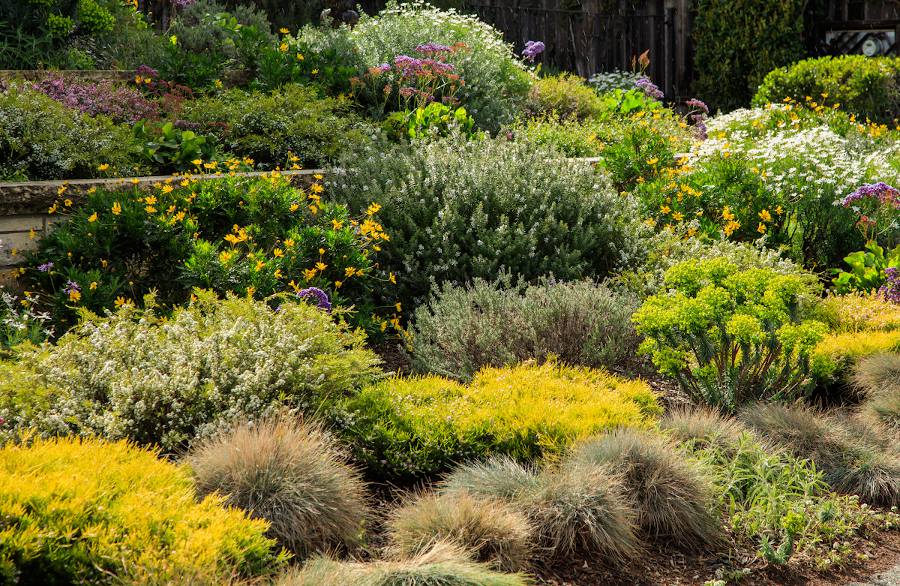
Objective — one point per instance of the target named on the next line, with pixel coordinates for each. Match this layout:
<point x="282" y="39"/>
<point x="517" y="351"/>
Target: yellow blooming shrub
<point x="254" y="236"/>
<point x="858" y="312"/>
<point x="78" y="511"/>
<point x="415" y="427"/>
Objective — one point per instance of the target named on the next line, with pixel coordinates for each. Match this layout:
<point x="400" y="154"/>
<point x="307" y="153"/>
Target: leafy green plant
<point x="289" y="473"/>
<point x="435" y="119"/>
<point x="864" y="86"/>
<point x="835" y="356"/>
<point x="172" y="149"/>
<point x="134" y="519"/>
<point x="566" y="95"/>
<point x="867" y="269"/>
<point x="166" y="381"/>
<point x="464" y="329"/>
<point x="730" y="336"/>
<point x="416" y="427"/>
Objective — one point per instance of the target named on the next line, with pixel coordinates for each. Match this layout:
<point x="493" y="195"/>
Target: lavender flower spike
<point x="533" y="49"/>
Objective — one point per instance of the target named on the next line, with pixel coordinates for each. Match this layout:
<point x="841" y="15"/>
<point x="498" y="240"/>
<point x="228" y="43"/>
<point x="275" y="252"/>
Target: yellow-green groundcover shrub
<point x="833" y="358"/>
<point x="415" y="427"/>
<point x="76" y="511"/>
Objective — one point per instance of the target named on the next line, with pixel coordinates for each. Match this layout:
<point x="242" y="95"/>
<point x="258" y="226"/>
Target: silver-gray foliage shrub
<point x="486" y="324"/>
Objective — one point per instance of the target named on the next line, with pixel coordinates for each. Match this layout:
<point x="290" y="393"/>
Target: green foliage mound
<point x="865" y="86"/>
<point x="91" y="512"/>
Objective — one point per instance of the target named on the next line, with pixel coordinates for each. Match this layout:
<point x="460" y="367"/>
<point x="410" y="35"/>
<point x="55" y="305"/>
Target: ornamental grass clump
<point x="291" y="474"/>
<point x="491" y="530"/>
<point x="463" y="329"/>
<point x="499" y="477"/>
<point x="852" y="462"/>
<point x="444" y="564"/>
<point x="420" y="426"/>
<point x="86" y="511"/>
<point x="165" y="381"/>
<point x="671" y="495"/>
<point x="878" y="377"/>
<point x="730" y="336"/>
<point x="702" y="427"/>
<point x="459" y="210"/>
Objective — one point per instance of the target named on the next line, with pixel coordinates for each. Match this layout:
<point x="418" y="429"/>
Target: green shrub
<point x="20" y="321"/>
<point x="738" y="42"/>
<point x="491" y="530"/>
<point x="290" y="474"/>
<point x="251" y="236"/>
<point x="419" y="426"/>
<point x="445" y="564"/>
<point x="496" y="83"/>
<point x="90" y="512"/>
<point x="464" y="329"/>
<point x="24" y="396"/>
<point x="851" y="462"/>
<point x="291" y="125"/>
<point x="566" y="95"/>
<point x="864" y="86"/>
<point x="459" y="210"/>
<point x="570" y="137"/>
<point x="834" y="357"/>
<point x="673" y="499"/>
<point x="730" y="336"/>
<point x="640" y="154"/>
<point x="779" y="503"/>
<point x="165" y="381"/>
<point x="858" y="312"/>
<point x="41" y="138"/>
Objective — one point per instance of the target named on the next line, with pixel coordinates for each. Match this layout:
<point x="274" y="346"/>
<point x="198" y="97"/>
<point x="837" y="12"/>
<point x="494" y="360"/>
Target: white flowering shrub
<point x="166" y="381"/>
<point x="496" y="83"/>
<point x="458" y="210"/>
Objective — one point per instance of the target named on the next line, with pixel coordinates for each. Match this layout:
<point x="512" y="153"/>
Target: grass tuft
<point x="672" y="498"/>
<point x="702" y="428"/>
<point x="490" y="529"/>
<point x="445" y="564"/>
<point x="292" y="475"/>
<point x="499" y="477"/>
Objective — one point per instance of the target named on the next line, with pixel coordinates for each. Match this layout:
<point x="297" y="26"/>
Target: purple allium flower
<point x="532" y="50"/>
<point x="322" y="301"/>
<point x="884" y="193"/>
<point x="71" y="287"/>
<point x="45" y="268"/>
<point x="696" y="104"/>
<point x="432" y="48"/>
<point x="649" y="88"/>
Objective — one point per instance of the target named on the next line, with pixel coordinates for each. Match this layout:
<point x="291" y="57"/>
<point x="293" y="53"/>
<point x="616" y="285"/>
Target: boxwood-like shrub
<point x="164" y="381"/>
<point x="865" y="86"/>
<point x="458" y="210"/>
<point x="91" y="512"/>
<point x="406" y="428"/>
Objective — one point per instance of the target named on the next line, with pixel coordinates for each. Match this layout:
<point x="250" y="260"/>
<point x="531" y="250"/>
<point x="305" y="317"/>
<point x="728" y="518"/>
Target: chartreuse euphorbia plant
<point x="729" y="336"/>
